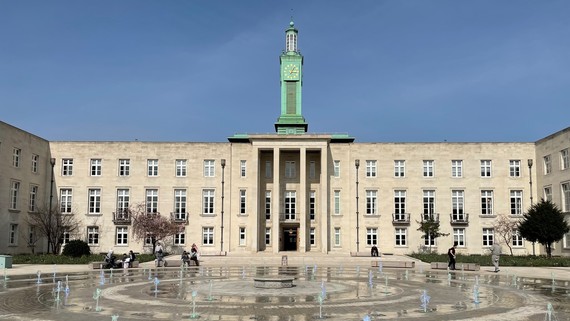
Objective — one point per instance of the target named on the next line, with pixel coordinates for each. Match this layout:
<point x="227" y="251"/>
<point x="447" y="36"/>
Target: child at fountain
<point x="185" y="258"/>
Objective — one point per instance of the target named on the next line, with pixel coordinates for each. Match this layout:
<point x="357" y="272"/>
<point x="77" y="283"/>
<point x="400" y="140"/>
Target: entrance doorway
<point x="290" y="239"/>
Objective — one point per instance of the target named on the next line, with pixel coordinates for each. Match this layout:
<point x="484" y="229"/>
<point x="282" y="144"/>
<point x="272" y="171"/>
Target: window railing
<point x="179" y="217"/>
<point x="401" y="218"/>
<point x="459" y="218"/>
<point x="433" y="216"/>
<point x="122" y="216"/>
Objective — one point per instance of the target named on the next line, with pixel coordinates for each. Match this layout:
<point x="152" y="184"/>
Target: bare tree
<point x="152" y="225"/>
<point x="52" y="223"/>
<point x="505" y="228"/>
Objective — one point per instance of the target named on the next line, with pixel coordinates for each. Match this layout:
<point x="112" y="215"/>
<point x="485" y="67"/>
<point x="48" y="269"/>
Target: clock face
<point x="291" y="72"/>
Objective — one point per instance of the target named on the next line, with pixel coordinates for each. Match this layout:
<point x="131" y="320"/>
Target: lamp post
<point x="52" y="162"/>
<point x="357" y="164"/>
<point x="223" y="162"/>
<point x="529" y="161"/>
<point x="530" y="179"/>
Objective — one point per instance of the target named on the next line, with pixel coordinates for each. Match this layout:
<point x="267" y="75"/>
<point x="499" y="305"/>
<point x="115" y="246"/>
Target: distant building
<point x="291" y="190"/>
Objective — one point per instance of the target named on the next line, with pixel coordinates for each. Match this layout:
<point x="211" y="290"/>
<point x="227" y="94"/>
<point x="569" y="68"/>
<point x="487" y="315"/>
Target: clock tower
<point x="291" y="120"/>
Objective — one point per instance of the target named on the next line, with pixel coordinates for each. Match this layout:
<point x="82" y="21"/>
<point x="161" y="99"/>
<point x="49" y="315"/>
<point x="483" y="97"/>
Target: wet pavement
<point x="325" y="288"/>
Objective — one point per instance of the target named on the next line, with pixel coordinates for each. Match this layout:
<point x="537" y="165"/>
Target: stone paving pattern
<point x="223" y="289"/>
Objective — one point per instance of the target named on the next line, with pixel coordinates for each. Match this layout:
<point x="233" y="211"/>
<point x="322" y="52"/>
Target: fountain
<point x="424" y="299"/>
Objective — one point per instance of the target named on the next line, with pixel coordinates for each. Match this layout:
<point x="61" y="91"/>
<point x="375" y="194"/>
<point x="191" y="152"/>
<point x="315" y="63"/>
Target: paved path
<point x="297" y="259"/>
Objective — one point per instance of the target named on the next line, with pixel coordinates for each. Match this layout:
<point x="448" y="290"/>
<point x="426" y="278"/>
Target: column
<point x="275" y="204"/>
<point x="324" y="196"/>
<point x="302" y="207"/>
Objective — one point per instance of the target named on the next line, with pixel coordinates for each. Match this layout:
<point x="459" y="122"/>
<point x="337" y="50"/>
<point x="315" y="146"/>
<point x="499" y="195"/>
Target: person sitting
<point x="125" y="261"/>
<point x="132" y="258"/>
<point x="110" y="260"/>
<point x="374" y="251"/>
<point x="185" y="258"/>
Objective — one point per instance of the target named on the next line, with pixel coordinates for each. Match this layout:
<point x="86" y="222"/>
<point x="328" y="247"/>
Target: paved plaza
<point x="326" y="287"/>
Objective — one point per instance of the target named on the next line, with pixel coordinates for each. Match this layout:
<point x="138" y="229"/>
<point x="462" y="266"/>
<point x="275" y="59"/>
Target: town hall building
<point x="286" y="191"/>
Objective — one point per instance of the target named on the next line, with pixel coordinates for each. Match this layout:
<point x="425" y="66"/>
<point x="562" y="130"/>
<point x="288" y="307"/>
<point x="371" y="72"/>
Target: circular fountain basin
<point x="273" y="282"/>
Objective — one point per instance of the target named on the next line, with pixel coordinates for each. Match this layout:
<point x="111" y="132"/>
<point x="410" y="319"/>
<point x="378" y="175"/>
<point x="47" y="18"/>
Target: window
<point x="94" y="201"/>
<point x="548" y="193"/>
<point x="65" y="200"/>
<point x="13" y="235"/>
<point x="459" y="236"/>
<point x="515" y="168"/>
<point x="312" y="169"/>
<point x="290" y="169"/>
<point x="268" y="169"/>
<point x="371" y="236"/>
<point x="180" y="238"/>
<point x="485" y="168"/>
<point x="457" y="204"/>
<point x="429" y="204"/>
<point x="267" y="205"/>
<point x="399" y="168"/>
<point x="565" y="187"/>
<point x="152" y="200"/>
<point x="290" y="205"/>
<point x="399" y="205"/>
<point x="209" y="168"/>
<point x="337" y="202"/>
<point x="371" y="202"/>
<point x="429" y="240"/>
<point x="32" y="237"/>
<point x="428" y="168"/>
<point x="180" y="168"/>
<point x="65" y="237"/>
<point x="123" y="199"/>
<point x="180" y="204"/>
<point x="456" y="168"/>
<point x="401" y="236"/>
<point x="564" y="160"/>
<point x="242" y="168"/>
<point x="207" y="236"/>
<point x="566" y="241"/>
<point x="517" y="239"/>
<point x="516" y="202"/>
<point x="337" y="236"/>
<point x="16" y="152"/>
<point x="148" y="239"/>
<point x="67" y="167"/>
<point x="124" y="167"/>
<point x="93" y="235"/>
<point x="487" y="202"/>
<point x="370" y="168"/>
<point x="152" y="167"/>
<point x="312" y="204"/>
<point x="95" y="167"/>
<point x="267" y="236"/>
<point x="242" y="202"/>
<point x="242" y="236"/>
<point x="488" y="235"/>
<point x="33" y="198"/>
<point x="547" y="164"/>
<point x="14" y="193"/>
<point x="208" y="201"/>
<point x="312" y="236"/>
<point x="35" y="159"/>
<point x="336" y="168"/>
<point x="122" y="235"/>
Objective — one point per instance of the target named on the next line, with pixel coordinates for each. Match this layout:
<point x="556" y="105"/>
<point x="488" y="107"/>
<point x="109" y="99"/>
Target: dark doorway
<point x="290" y="239"/>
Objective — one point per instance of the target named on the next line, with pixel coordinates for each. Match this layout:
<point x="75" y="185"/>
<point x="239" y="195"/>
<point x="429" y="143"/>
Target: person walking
<point x="495" y="255"/>
<point x="452" y="256"/>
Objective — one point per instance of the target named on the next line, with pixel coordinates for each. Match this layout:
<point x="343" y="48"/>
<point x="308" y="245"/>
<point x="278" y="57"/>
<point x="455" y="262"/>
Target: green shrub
<point x="76" y="248"/>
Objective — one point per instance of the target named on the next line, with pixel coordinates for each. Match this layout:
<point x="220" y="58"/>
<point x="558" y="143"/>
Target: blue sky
<point x="201" y="71"/>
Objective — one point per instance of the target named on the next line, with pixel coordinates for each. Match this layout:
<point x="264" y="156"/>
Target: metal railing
<point x="179" y="217"/>
<point x="401" y="218"/>
<point x="426" y="217"/>
<point x="289" y="217"/>
<point x="459" y="218"/>
<point x="122" y="216"/>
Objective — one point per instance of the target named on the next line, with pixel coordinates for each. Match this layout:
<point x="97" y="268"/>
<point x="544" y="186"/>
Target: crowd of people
<point x="111" y="260"/>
